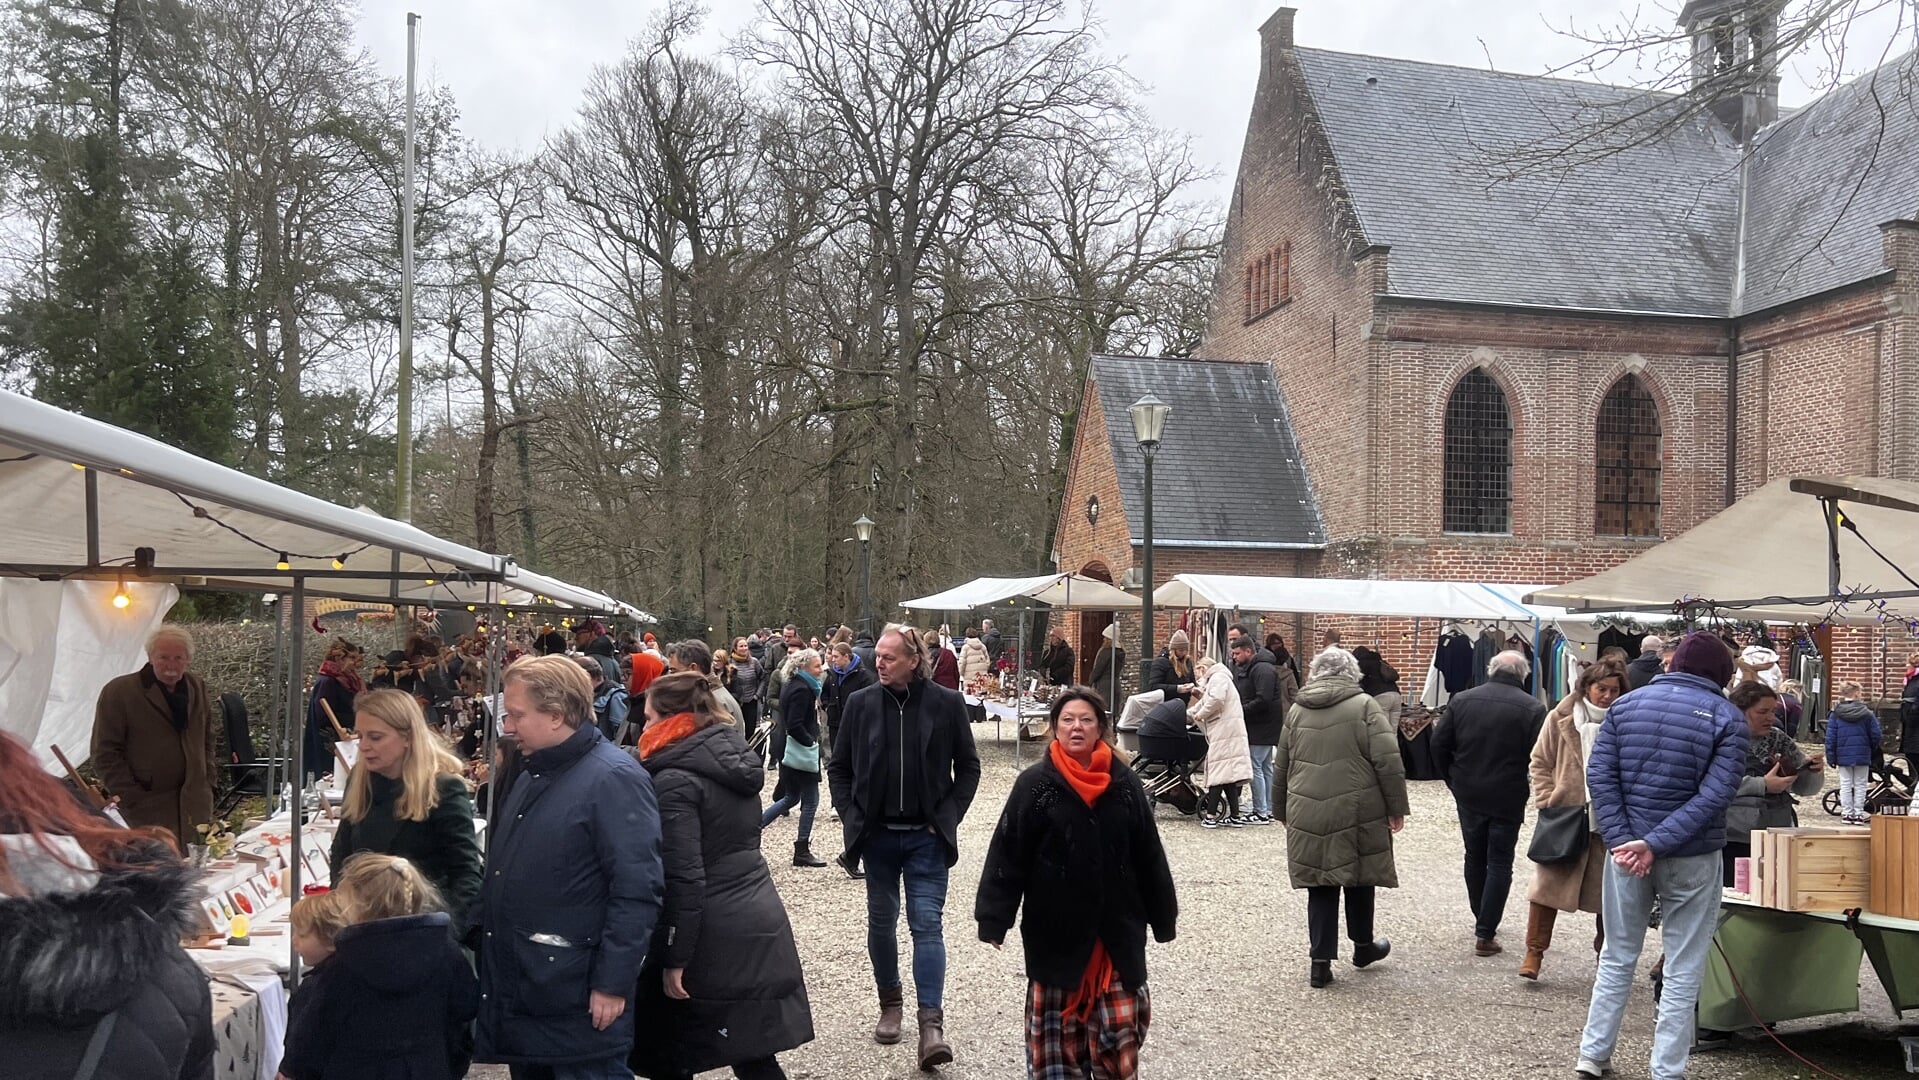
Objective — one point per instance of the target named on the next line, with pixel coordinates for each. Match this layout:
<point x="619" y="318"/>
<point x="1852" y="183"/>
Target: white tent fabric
<point x="148" y="493"/>
<point x="1071" y="591"/>
<point x="1463" y="600"/>
<point x="60" y="641"/>
<point x="1769" y="549"/>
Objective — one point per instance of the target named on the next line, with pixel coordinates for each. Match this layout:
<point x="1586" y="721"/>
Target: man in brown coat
<point x="153" y="739"/>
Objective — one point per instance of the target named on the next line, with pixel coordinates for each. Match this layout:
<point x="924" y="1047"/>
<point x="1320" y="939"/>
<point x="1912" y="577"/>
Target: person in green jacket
<point x="406" y="796"/>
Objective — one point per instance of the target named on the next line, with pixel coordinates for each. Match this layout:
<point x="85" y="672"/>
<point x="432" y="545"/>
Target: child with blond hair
<point x="390" y="995"/>
<point x="1852" y="744"/>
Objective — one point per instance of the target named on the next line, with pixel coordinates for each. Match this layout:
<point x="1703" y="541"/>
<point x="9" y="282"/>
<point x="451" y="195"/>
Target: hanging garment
<point x="1434" y="696"/>
<point x="1484" y="650"/>
<point x="1454" y="659"/>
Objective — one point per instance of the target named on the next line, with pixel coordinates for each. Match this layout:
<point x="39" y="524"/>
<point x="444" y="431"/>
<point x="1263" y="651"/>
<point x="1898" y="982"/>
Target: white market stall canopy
<point x="1075" y="591"/>
<point x="76" y="494"/>
<point x="1463" y="600"/>
<point x="79" y="497"/>
<point x="1775" y="556"/>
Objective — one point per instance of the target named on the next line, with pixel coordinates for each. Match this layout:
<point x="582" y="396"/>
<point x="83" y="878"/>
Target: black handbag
<point x="1561" y="835"/>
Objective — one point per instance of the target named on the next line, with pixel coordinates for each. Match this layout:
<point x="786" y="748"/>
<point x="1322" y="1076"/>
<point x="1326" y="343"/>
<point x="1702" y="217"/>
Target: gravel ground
<point x="1230" y="997"/>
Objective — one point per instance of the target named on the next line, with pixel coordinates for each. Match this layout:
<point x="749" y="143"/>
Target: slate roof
<point x="1653" y="228"/>
<point x="1221" y="412"/>
<point x="1805" y="172"/>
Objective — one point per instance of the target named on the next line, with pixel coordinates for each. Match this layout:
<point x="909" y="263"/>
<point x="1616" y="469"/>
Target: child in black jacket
<point x="394" y="997"/>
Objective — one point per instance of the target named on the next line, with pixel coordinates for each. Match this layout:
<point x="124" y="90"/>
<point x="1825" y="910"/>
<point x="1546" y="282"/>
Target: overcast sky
<point x="517" y="67"/>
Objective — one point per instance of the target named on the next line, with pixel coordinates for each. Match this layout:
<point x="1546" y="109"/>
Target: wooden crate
<point x="1821" y="870"/>
<point x="1895" y="866"/>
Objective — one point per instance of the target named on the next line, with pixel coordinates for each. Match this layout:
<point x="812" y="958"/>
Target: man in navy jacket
<point x="573" y="888"/>
<point x="1666" y="765"/>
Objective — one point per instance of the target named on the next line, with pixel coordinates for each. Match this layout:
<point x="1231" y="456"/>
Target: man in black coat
<point x="903" y="773"/>
<point x="1647" y="664"/>
<point x="990" y="637"/>
<point x="1483" y="750"/>
<point x="1057" y="662"/>
<point x="1258" y="683"/>
<point x="572" y="890"/>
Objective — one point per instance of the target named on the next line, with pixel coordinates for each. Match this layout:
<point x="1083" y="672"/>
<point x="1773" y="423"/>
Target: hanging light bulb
<point x="121" y="598"/>
<point x="283" y="563"/>
<point x="339" y="562"/>
<point x="430" y="581"/>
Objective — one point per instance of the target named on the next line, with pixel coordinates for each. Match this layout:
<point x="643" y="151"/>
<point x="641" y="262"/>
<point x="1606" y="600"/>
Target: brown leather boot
<point x="933" y="1049"/>
<point x="1539" y="938"/>
<point x="892" y="1014"/>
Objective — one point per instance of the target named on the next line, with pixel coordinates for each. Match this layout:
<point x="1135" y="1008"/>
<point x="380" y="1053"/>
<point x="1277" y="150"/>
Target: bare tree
<point x="926" y="103"/>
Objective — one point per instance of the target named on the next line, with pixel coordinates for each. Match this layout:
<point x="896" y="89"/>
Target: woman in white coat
<point x="1229" y="759"/>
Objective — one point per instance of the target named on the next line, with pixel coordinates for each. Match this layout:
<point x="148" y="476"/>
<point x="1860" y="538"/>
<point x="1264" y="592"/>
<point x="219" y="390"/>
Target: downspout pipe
<point x="1732" y="411"/>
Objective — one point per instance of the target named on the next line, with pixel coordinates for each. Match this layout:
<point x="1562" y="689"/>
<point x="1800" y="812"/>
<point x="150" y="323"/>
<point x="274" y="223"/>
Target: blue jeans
<point x="807" y="796"/>
<point x="916" y="858"/>
<point x="1263" y="780"/>
<point x="1688" y="890"/>
<point x="1490" y="843"/>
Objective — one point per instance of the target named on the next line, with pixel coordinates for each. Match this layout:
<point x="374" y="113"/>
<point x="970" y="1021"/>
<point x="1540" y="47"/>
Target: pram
<point x="1889" y="788"/>
<point x="1165" y="763"/>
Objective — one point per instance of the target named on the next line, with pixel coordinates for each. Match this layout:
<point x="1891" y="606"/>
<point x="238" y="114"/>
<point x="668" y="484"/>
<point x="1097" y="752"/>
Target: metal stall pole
<point x="489" y="743"/>
<point x="282" y="729"/>
<point x="295" y="663"/>
<point x="1019" y="691"/>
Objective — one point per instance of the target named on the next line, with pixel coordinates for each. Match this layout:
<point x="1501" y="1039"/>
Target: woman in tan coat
<point x="1559" y="779"/>
<point x="1229" y="757"/>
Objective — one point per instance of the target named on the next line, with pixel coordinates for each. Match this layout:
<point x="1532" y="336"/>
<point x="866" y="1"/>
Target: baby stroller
<point x="1889" y="788"/>
<point x="1169" y="750"/>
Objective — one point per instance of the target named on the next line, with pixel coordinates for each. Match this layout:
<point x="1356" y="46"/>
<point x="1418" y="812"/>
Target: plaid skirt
<point x="1105" y="1046"/>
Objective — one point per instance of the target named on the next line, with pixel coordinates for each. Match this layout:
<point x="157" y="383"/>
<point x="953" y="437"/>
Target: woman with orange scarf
<point x="1077" y="845"/>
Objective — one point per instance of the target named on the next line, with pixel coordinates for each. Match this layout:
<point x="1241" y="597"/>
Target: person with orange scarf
<point x="1077" y="845"/>
<point x="722" y="985"/>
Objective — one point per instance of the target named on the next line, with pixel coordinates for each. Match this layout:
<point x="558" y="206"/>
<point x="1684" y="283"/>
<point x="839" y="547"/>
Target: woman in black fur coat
<point x="90" y="922"/>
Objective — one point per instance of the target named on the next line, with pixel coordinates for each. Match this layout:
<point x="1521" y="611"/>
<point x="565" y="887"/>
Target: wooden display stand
<point x="1894" y="856"/>
<point x="1811" y="869"/>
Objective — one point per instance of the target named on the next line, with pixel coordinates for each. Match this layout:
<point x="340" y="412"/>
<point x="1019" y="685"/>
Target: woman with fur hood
<point x="90" y="958"/>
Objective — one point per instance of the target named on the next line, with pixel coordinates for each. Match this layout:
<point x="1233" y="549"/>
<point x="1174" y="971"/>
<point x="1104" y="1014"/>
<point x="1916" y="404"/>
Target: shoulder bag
<point x="1561" y="835"/>
<point x="801" y="758"/>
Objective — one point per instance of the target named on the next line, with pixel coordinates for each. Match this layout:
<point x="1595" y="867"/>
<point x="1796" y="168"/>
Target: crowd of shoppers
<point x="626" y="918"/>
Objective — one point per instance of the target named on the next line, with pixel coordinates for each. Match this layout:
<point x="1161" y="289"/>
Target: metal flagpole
<point x="403" y="474"/>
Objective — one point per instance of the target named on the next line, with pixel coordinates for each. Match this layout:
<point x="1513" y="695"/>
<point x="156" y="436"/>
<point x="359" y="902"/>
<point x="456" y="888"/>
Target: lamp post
<point x="863" y="528"/>
<point x="1149" y="423"/>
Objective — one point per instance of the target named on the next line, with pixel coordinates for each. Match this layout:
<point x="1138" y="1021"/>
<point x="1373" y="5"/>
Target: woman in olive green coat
<point x="406" y="797"/>
<point x="1341" y="790"/>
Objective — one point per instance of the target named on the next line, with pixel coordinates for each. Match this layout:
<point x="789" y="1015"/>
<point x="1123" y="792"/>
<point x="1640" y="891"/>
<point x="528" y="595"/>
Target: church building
<point x="1472" y="325"/>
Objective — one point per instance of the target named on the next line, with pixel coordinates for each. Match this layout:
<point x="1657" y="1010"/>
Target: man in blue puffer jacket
<point x="1666" y="765"/>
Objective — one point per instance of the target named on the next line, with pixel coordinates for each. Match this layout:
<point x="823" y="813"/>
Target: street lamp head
<point x="863" y="528"/>
<point x="1149" y="421"/>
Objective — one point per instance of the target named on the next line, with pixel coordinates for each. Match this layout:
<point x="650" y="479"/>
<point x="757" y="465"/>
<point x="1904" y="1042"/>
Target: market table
<point x="1002" y="711"/>
<point x="1794" y="964"/>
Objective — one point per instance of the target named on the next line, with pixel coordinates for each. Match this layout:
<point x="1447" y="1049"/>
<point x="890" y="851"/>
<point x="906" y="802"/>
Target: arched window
<point x="1627" y="453"/>
<point x="1479" y="458"/>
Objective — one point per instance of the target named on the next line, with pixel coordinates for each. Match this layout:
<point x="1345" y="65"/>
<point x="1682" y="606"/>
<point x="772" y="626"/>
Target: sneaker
<point x="834" y="813"/>
<point x="1209" y="823"/>
<point x="1594" y="1069"/>
<point x="1234" y="822"/>
<point x="1259" y="819"/>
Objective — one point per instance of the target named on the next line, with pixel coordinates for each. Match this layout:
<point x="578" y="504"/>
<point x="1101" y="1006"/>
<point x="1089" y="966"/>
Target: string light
<point x="283" y="564"/>
<point x="339" y="562"/>
<point x="121" y="598"/>
<point x="430" y="581"/>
